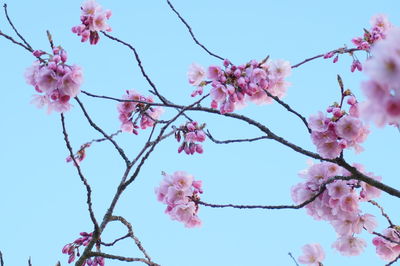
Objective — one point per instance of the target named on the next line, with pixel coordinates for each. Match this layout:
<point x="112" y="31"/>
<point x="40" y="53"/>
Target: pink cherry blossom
<point x="387" y="250"/>
<point x="93" y="19"/>
<point x="56" y="81"/>
<point x="178" y="191"/>
<point x="196" y="74"/>
<point x="349" y="245"/>
<point x="313" y="255"/>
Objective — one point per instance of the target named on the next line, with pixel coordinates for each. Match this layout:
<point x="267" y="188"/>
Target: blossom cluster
<point x="72" y="249"/>
<point x="382" y="90"/>
<point x="232" y="85"/>
<point x="342" y="130"/>
<point x="54" y="79"/>
<point x="179" y="191"/>
<point x="338" y="203"/>
<point x="313" y="255"/>
<point x="379" y="27"/>
<point x="93" y="19"/>
<point x="137" y="107"/>
<point x="192" y="132"/>
<point x="386" y="249"/>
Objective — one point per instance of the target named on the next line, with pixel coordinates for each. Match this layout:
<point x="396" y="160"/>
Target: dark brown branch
<point x="95" y="126"/>
<point x="29" y="262"/>
<point x="290" y="109"/>
<point x="115" y="241"/>
<point x="83" y="179"/>
<point x="382" y="212"/>
<point x="16" y="42"/>
<point x="336" y="51"/>
<point x="1" y="259"/>
<point x="131" y="234"/>
<point x="191" y="32"/>
<point x="339" y="161"/>
<point x="120" y="258"/>
<point x="233" y="140"/>
<point x="276" y="207"/>
<point x="139" y="62"/>
<point x="15" y="29"/>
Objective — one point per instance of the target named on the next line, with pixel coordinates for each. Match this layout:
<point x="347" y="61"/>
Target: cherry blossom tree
<point x="335" y="188"/>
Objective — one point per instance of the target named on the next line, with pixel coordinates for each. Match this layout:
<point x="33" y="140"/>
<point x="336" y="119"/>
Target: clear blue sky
<point x="42" y="201"/>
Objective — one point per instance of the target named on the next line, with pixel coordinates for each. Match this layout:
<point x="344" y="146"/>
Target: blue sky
<point x="42" y="200"/>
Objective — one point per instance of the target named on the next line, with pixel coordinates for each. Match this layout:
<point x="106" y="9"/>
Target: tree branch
<point x="83" y="179"/>
<point x="120" y="258"/>
<point x="15" y="30"/>
<point x="131" y="234"/>
<point x="191" y="32"/>
<point x="117" y="147"/>
<point x="336" y="51"/>
<point x="382" y="212"/>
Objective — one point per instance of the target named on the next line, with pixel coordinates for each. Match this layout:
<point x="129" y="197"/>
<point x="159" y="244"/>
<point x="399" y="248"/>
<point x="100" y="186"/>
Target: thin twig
<point x="139" y="62"/>
<point x="290" y="254"/>
<point x="15" y="30"/>
<point x="277" y="207"/>
<point x="336" y="51"/>
<point x="384" y="214"/>
<point x="233" y="140"/>
<point x="131" y="234"/>
<point x="16" y="42"/>
<point x="83" y="179"/>
<point x="191" y="32"/>
<point x="121" y="258"/>
<point x="29" y="262"/>
<point x="95" y="126"/>
<point x="115" y="241"/>
<point x="290" y="109"/>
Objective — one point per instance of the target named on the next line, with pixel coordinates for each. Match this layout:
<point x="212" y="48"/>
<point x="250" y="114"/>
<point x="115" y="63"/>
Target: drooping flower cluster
<point x="379" y="27"/>
<point x="94" y="19"/>
<point x="383" y="89"/>
<point x="192" y="132"/>
<point x="131" y="112"/>
<point x="54" y="79"/>
<point x="338" y="204"/>
<point x="343" y="130"/>
<point x="233" y="85"/>
<point x="72" y="249"/>
<point x="386" y="249"/>
<point x="179" y="191"/>
<point x="313" y="255"/>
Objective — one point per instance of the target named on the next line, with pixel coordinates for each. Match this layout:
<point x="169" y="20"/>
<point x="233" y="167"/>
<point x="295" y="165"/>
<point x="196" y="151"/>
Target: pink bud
<point x="199" y="148"/>
<point x="66" y="249"/>
<point x="64" y="56"/>
<point x="226" y="62"/>
<point x="351" y="100"/>
<point x="56" y="50"/>
<point x="181" y="148"/>
<point x="214" y="104"/>
<point x="328" y="55"/>
<point x="108" y="13"/>
<point x="190" y="127"/>
<point x="335" y="59"/>
<point x="38" y="53"/>
<point x="71" y="258"/>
